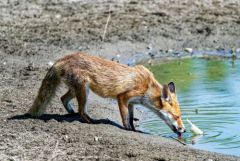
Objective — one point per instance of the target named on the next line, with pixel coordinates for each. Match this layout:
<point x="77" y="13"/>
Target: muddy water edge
<point x="208" y="92"/>
<point x="34" y="33"/>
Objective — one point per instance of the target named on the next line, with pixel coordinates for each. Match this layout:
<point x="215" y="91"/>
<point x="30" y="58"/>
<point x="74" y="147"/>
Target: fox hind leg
<point x="66" y="100"/>
<point x="82" y="92"/>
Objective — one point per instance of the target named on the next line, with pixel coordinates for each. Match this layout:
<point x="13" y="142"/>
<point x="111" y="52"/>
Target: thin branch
<point x="106" y="25"/>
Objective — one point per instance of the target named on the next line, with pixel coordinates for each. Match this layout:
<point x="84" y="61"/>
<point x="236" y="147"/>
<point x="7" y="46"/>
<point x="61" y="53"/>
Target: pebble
<point x="209" y="160"/>
<point x="30" y="67"/>
<point x="152" y="55"/>
<point x="3" y="147"/>
<point x="66" y="138"/>
<point x="150" y="62"/>
<point x="96" y="138"/>
<point x="238" y="50"/>
<point x="50" y="63"/>
<point x="58" y="16"/>
<point x="149" y="47"/>
<point x="189" y="50"/>
<point x="169" y="50"/>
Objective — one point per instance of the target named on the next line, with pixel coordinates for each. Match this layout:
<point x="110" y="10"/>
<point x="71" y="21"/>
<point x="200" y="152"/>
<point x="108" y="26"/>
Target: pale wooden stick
<point x="106" y="25"/>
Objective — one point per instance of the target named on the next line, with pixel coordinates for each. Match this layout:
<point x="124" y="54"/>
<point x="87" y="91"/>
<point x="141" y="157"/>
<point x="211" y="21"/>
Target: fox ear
<point x="165" y="93"/>
<point x="171" y="87"/>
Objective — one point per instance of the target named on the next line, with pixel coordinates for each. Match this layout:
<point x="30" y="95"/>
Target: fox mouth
<point x="171" y="123"/>
<point x="178" y="133"/>
<point x="174" y="129"/>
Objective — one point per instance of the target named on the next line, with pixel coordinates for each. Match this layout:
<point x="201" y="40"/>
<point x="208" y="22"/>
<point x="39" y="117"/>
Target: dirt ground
<point x="34" y="33"/>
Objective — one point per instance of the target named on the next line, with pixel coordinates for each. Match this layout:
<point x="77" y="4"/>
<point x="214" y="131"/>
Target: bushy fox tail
<point x="45" y="93"/>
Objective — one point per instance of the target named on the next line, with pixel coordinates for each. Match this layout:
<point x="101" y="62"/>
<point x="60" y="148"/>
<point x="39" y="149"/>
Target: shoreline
<point x="36" y="33"/>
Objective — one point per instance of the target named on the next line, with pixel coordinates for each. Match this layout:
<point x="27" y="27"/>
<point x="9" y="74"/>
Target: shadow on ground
<point x="68" y="118"/>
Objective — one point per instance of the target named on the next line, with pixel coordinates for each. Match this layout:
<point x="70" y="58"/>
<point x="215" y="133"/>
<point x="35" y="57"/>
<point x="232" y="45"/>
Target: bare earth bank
<point x="35" y="32"/>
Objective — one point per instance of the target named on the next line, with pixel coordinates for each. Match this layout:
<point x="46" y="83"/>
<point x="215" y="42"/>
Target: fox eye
<point x="175" y="117"/>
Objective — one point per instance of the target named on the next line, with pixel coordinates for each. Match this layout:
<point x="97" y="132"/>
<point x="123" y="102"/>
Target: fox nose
<point x="182" y="130"/>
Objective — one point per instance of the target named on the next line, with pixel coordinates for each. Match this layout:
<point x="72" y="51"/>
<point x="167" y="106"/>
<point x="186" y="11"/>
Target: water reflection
<point x="216" y="70"/>
<point x="209" y="97"/>
<point x="175" y="71"/>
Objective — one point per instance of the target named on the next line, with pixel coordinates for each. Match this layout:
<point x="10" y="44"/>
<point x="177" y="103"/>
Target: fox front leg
<point x="124" y="111"/>
<point x="66" y="100"/>
<point x="131" y="115"/>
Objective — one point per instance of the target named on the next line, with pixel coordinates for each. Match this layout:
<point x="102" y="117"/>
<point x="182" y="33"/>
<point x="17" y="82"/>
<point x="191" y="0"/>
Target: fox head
<point x="165" y="105"/>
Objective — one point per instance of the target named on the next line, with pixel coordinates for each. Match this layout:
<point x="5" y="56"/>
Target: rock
<point x="238" y="50"/>
<point x="169" y="50"/>
<point x="96" y="138"/>
<point x="150" y="62"/>
<point x="58" y="16"/>
<point x="176" y="53"/>
<point x="189" y="50"/>
<point x="152" y="55"/>
<point x="3" y="147"/>
<point x="50" y="63"/>
<point x="30" y="67"/>
<point x="116" y="58"/>
<point x="149" y="47"/>
<point x="66" y="138"/>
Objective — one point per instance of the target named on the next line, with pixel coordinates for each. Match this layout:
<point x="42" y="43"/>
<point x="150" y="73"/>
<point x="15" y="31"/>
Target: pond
<point x="209" y="95"/>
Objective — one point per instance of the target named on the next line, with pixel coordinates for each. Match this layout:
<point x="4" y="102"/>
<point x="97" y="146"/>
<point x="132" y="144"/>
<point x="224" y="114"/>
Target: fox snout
<point x="175" y="128"/>
<point x="179" y="130"/>
<point x="172" y="123"/>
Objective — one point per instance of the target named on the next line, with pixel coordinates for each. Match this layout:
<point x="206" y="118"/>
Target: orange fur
<point x="129" y="85"/>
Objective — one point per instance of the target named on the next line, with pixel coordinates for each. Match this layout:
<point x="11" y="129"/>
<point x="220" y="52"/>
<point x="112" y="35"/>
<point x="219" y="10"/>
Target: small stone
<point x="238" y="50"/>
<point x="189" y="50"/>
<point x="50" y="63"/>
<point x="152" y="55"/>
<point x="58" y="16"/>
<point x="66" y="138"/>
<point x="149" y="47"/>
<point x="4" y="63"/>
<point x="141" y="111"/>
<point x="96" y="138"/>
<point x="209" y="160"/>
<point x="30" y="67"/>
<point x="150" y="62"/>
<point x="3" y="147"/>
<point x="169" y="50"/>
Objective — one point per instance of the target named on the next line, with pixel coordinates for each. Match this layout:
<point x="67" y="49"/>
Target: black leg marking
<point x="66" y="101"/>
<point x="131" y="116"/>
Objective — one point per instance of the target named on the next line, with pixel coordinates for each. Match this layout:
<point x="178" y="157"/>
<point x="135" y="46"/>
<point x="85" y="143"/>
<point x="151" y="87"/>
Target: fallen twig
<point x="106" y="25"/>
<point x="178" y="140"/>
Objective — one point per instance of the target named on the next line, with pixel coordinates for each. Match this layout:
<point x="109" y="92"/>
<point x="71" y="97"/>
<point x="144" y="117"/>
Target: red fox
<point x="129" y="85"/>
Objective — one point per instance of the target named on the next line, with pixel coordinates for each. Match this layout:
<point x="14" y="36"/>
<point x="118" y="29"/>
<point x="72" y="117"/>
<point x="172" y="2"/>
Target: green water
<point x="209" y="95"/>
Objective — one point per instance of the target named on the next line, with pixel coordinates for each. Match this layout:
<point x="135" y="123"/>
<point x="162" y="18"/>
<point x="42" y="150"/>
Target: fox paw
<point x="129" y="127"/>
